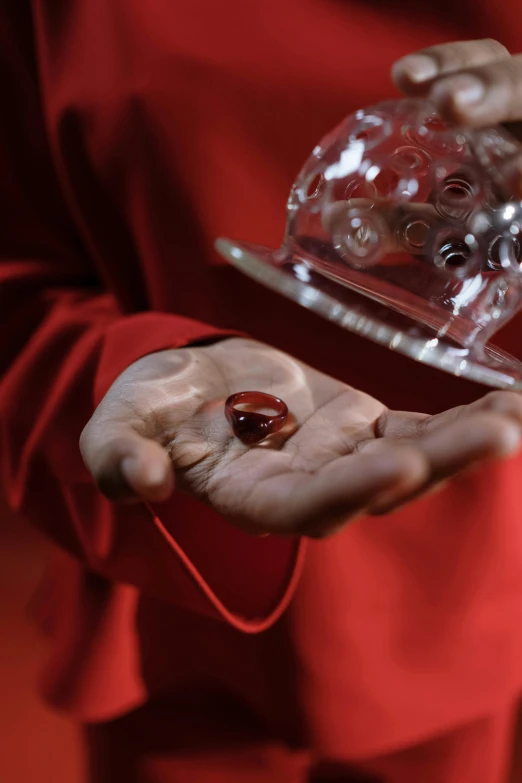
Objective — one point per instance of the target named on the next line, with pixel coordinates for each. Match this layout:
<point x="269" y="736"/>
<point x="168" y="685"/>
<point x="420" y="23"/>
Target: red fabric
<point x="69" y="332"/>
<point x="135" y="134"/>
<point x="148" y="746"/>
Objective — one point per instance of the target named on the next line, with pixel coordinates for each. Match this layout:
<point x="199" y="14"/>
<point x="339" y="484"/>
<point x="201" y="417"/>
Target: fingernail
<point x="464" y="91"/>
<point x="417" y="68"/>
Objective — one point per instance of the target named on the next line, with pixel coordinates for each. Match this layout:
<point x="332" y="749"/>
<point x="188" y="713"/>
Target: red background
<point x="36" y="744"/>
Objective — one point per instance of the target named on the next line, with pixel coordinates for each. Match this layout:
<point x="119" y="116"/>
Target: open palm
<point x="341" y="453"/>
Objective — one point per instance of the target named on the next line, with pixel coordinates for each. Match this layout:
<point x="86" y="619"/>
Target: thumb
<point x="125" y="465"/>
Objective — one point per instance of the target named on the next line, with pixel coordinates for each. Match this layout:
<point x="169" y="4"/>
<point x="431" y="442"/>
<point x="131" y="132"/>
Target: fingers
<point x="412" y="74"/>
<point x="482" y="96"/>
<point x="474" y="83"/>
<point x="126" y="466"/>
<point x="315" y="504"/>
<point x="508" y="404"/>
<point x="413" y="455"/>
<point x="399" y="424"/>
<point x="380" y="479"/>
<point x="455" y="446"/>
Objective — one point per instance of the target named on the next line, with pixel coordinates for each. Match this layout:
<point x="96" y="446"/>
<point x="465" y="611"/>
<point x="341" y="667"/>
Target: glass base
<point x="292" y="276"/>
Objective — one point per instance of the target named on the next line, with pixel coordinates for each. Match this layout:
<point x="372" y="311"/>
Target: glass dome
<point x="402" y="229"/>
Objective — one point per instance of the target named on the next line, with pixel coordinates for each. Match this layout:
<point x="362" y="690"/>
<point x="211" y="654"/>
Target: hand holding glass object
<point x="402" y="229"/>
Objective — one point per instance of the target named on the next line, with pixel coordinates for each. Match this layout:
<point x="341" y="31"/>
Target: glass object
<point x="402" y="229"/>
<point x="248" y="423"/>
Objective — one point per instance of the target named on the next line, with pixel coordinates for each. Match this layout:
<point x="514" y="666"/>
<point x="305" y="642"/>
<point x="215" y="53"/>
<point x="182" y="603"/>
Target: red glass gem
<point x="251" y="426"/>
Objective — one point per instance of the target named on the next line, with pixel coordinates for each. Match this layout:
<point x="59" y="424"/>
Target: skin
<point x="342" y="453"/>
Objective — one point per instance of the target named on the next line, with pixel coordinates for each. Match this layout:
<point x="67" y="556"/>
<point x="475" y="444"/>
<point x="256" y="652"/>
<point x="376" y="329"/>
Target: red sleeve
<point x="64" y="341"/>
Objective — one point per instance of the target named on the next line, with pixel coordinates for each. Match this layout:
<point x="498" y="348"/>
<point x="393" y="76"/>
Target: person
<point x="375" y="634"/>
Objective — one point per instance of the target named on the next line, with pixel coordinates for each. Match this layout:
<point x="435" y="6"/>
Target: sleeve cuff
<point x="250" y="582"/>
<point x="247" y="583"/>
<point x="135" y="336"/>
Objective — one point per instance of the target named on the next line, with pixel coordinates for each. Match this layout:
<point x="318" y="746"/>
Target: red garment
<point x="145" y="747"/>
<point x="159" y="127"/>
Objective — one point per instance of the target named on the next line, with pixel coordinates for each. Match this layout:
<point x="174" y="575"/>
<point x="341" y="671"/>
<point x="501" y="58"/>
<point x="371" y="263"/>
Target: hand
<point x="341" y="454"/>
<point x="472" y="83"/>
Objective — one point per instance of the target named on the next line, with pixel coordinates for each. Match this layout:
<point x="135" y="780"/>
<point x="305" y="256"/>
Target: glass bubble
<point x="408" y="234"/>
